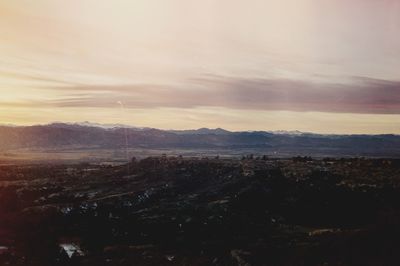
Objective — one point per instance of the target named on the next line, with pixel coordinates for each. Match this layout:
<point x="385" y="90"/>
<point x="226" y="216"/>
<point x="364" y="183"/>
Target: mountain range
<point x="88" y="135"/>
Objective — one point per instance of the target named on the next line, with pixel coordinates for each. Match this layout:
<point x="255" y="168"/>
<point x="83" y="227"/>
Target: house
<point x="71" y="250"/>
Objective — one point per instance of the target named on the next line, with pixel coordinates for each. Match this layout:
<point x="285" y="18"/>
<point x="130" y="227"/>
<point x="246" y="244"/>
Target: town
<point x="177" y="210"/>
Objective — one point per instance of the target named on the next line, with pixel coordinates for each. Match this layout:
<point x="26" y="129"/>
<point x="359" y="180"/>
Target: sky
<point x="326" y="66"/>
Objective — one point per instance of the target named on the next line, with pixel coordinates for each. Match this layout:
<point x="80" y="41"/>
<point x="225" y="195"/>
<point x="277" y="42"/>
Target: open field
<point x="116" y="156"/>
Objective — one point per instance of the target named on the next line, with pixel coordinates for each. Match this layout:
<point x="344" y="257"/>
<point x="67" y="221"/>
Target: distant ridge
<point x="90" y="124"/>
<point x="91" y="136"/>
<point x="202" y="131"/>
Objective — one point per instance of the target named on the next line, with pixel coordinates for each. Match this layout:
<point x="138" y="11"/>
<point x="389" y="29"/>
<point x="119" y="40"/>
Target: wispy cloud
<point x="362" y="95"/>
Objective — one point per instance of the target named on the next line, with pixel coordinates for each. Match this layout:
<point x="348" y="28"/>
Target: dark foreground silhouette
<point x="202" y="211"/>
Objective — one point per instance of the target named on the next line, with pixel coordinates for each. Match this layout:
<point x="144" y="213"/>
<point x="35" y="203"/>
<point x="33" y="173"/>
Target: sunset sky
<point x="329" y="66"/>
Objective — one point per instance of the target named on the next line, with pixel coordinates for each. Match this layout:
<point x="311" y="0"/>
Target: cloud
<point x="361" y="95"/>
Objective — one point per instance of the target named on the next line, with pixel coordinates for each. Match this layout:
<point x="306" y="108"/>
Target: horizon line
<point x="120" y="125"/>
